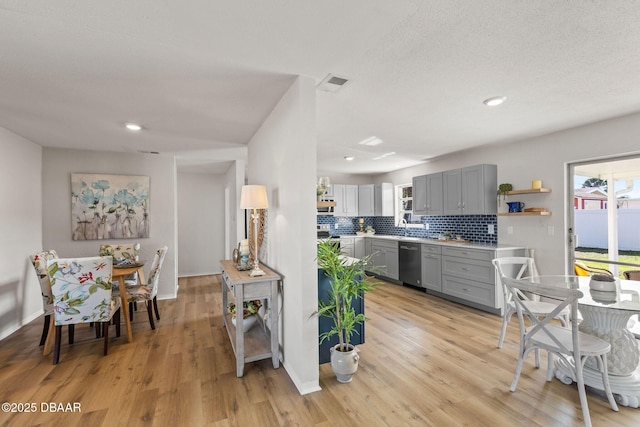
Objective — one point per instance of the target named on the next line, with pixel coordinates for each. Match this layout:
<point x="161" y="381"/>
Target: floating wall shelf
<point x="529" y="191"/>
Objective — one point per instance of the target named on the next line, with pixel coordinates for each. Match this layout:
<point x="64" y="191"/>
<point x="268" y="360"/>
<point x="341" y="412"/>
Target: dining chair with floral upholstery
<point x="81" y="289"/>
<point x="39" y="262"/>
<point x="122" y="253"/>
<point x="147" y="292"/>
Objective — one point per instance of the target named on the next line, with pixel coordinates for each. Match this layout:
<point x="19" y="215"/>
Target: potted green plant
<point x="503" y="190"/>
<point x="369" y="230"/>
<point x="249" y="313"/>
<point x="348" y="281"/>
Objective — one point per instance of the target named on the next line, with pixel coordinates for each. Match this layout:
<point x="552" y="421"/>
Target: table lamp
<point x="254" y="197"/>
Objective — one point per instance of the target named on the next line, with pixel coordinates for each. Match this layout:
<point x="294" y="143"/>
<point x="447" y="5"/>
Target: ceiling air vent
<point x="333" y="83"/>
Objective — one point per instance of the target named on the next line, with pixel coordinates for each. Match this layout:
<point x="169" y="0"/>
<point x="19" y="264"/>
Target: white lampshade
<point x="254" y="197"/>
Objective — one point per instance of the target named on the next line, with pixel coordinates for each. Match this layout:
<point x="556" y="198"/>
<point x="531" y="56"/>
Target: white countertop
<point x="470" y="245"/>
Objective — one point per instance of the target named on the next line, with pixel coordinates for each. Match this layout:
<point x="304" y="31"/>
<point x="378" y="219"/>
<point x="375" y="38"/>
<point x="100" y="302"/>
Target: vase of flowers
<point x="249" y="313"/>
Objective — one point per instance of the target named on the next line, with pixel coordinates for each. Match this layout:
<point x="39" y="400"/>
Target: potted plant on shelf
<point x="348" y="281"/>
<point x="249" y="313"/>
<point x="503" y="190"/>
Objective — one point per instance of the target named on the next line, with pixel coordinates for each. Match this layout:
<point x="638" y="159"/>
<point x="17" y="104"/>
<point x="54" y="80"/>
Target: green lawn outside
<point x="601" y="254"/>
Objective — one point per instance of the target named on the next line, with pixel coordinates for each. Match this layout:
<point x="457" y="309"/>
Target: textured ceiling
<point x="202" y="75"/>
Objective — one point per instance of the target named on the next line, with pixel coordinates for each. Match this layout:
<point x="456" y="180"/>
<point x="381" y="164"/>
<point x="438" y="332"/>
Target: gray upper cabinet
<point x="346" y="198"/>
<point x="383" y="199"/>
<point x="470" y="190"/>
<point x="427" y="194"/>
<point x="366" y="200"/>
<point x="419" y="194"/>
<point x="375" y="200"/>
<point x="435" y="198"/>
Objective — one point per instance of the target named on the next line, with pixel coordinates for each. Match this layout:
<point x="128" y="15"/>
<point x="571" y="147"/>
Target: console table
<point x="261" y="342"/>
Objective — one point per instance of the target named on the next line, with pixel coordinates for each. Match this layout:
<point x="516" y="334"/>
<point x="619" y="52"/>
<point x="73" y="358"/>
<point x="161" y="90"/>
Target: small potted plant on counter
<point x="348" y="281"/>
<point x="369" y="230"/>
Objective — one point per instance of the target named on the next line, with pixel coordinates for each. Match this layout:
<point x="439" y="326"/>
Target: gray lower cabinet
<point x="347" y="246"/>
<point x="469" y="277"/>
<point x="385" y="258"/>
<point x="359" y="247"/>
<point x="431" y="267"/>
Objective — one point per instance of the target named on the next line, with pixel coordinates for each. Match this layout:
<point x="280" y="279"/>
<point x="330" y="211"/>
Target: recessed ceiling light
<point x="384" y="155"/>
<point x="496" y="100"/>
<point x="134" y="127"/>
<point x="349" y="158"/>
<point x="372" y="140"/>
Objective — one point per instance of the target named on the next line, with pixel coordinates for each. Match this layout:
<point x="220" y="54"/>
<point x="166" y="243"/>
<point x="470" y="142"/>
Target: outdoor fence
<point x="591" y="228"/>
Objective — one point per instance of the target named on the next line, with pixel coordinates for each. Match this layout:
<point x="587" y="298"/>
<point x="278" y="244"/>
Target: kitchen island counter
<point x="432" y="241"/>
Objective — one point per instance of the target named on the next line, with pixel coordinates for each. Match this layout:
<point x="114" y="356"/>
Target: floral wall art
<point x="109" y="206"/>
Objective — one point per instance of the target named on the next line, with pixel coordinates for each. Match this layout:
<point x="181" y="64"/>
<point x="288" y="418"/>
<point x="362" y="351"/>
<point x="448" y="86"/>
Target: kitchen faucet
<point x="404" y="221"/>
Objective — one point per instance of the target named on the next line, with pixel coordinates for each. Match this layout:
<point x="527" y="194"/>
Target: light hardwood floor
<point x="426" y="362"/>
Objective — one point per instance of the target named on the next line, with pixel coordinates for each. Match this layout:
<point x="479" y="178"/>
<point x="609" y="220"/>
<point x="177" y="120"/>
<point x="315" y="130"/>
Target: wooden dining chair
<point x="569" y="344"/>
<point x="81" y="289"/>
<point x="39" y="262"/>
<point x="147" y="292"/>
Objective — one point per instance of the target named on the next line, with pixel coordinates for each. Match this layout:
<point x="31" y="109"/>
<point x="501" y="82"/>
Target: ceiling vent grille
<point x="333" y="83"/>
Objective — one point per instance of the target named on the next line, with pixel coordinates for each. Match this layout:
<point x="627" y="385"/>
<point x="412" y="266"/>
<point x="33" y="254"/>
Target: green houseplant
<point x="249" y="313"/>
<point x="348" y="281"/>
<point x="503" y="190"/>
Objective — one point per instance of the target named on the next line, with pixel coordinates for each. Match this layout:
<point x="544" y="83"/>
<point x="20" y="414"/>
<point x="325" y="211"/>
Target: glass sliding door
<point x="604" y="215"/>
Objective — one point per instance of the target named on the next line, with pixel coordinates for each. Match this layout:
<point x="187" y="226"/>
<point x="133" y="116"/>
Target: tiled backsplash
<point x="469" y="227"/>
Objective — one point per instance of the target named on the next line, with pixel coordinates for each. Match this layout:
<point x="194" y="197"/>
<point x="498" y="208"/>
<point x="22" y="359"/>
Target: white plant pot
<point x="247" y="323"/>
<point x="344" y="363"/>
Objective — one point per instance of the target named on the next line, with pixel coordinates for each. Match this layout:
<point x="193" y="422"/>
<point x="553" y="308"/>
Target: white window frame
<point x="400" y="212"/>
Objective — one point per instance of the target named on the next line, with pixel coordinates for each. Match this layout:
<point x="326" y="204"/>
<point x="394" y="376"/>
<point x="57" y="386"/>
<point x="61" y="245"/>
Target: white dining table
<point x="606" y="315"/>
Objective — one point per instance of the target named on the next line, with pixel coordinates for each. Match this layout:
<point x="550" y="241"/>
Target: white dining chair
<point x="569" y="344"/>
<point x="518" y="267"/>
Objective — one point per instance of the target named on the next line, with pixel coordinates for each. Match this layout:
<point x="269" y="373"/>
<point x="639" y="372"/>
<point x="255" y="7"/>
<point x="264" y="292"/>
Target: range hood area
<point x="325" y="207"/>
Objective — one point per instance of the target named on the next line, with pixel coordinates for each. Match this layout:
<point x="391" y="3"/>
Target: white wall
<point x="234" y="181"/>
<point x="544" y="158"/>
<point x="200" y="223"/>
<point x="57" y="166"/>
<point x="282" y="156"/>
<point x="21" y="230"/>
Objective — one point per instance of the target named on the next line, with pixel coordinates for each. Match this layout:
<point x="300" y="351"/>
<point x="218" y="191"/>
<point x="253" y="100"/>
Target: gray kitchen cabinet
<point x="470" y="190"/>
<point x="435" y="196"/>
<point x="366" y="200"/>
<point x="469" y="277"/>
<point x="346" y="198"/>
<point x="385" y="258"/>
<point x="375" y="199"/>
<point x="359" y="247"/>
<point x="431" y="267"/>
<point x="419" y="194"/>
<point x="367" y="246"/>
<point x="347" y="246"/>
<point x="428" y="194"/>
<point x="383" y="199"/>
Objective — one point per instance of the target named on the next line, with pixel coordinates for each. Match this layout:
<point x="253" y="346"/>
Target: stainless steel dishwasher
<point x="410" y="264"/>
